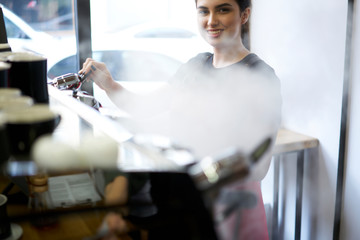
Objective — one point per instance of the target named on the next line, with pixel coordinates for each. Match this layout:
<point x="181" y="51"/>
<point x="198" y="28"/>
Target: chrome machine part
<point x="68" y="81"/>
<point x="212" y="173"/>
<point x="74" y="81"/>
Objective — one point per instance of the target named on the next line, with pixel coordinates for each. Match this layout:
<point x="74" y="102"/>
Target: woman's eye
<point x="224" y="10"/>
<point x="202" y="12"/>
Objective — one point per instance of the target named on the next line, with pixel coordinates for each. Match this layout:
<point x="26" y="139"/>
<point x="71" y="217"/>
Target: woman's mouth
<point x="214" y="32"/>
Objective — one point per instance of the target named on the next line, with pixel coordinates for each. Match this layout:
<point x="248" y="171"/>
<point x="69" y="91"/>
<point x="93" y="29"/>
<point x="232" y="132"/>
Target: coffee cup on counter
<point x="5" y="227"/>
<point x="9" y="92"/>
<point x="10" y="99"/>
<point x="24" y="126"/>
<point x="14" y="103"/>
<point x="4" y="74"/>
<point x="28" y="72"/>
<point x="5" y="55"/>
<point x="5" y="47"/>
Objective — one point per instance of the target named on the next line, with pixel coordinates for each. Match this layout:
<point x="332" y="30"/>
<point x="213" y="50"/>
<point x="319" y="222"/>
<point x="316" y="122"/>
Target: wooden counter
<point x="79" y="226"/>
<point x="290" y="141"/>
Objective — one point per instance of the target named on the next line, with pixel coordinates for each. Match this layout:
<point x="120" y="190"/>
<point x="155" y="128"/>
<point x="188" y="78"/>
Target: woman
<point x="220" y="23"/>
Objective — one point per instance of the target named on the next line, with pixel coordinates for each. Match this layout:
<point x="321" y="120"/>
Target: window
<point x="13" y="31"/>
<point x="127" y="35"/>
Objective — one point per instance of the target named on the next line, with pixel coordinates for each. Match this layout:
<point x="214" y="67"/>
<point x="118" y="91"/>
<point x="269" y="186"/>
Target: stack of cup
<point x="10" y="100"/>
<point x="26" y="71"/>
<point x="24" y="99"/>
<point x="24" y="126"/>
<point x="21" y="122"/>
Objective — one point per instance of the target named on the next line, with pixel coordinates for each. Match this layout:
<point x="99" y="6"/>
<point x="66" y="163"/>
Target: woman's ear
<point x="245" y="15"/>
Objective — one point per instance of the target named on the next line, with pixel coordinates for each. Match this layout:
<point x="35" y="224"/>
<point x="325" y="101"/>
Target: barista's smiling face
<point x="220" y="22"/>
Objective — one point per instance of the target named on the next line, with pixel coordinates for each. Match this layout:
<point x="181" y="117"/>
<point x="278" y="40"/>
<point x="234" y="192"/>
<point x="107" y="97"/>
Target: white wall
<point x="351" y="211"/>
<point x="305" y="42"/>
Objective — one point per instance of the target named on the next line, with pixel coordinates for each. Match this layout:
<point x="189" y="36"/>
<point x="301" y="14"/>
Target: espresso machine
<point x="184" y="199"/>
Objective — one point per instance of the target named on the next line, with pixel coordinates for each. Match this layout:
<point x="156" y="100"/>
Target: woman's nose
<point x="213" y="20"/>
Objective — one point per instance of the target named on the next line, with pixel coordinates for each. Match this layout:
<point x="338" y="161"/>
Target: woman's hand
<point x="116" y="227"/>
<point x="116" y="192"/>
<point x="99" y="73"/>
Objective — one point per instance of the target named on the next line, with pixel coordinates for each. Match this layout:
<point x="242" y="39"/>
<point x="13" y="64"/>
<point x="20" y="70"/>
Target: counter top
<point x="289" y="141"/>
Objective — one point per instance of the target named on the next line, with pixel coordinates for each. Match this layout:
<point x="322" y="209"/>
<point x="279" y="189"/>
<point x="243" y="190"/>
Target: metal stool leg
<point x="299" y="192"/>
<point x="275" y="227"/>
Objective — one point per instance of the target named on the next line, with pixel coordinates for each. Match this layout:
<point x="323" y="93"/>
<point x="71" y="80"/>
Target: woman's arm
<point x="137" y="105"/>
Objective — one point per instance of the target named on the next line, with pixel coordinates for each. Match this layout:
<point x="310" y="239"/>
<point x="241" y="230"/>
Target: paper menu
<point x="70" y="190"/>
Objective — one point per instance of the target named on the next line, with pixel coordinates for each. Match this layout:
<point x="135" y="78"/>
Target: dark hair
<point x="243" y="4"/>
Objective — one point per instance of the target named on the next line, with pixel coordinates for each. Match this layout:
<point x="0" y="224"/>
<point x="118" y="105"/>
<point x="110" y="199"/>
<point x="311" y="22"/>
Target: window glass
<point x="44" y="27"/>
<point x="14" y="31"/>
<point x="152" y="36"/>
